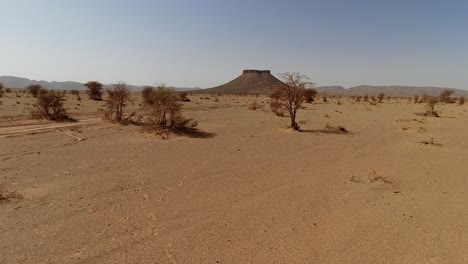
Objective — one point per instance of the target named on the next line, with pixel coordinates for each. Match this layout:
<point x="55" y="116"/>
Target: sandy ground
<point x="251" y="192"/>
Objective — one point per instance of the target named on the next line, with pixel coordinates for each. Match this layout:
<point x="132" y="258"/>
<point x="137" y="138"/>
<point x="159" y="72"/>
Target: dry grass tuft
<point x="6" y="196"/>
<point x="431" y="142"/>
<point x="375" y="177"/>
<point x="254" y="106"/>
<point x="337" y="130"/>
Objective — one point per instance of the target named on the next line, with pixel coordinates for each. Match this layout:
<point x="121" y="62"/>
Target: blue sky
<point x="203" y="43"/>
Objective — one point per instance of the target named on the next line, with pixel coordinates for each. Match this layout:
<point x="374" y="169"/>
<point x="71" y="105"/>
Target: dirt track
<point x="31" y="129"/>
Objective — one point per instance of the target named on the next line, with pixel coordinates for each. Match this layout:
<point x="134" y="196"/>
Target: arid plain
<point x="248" y="190"/>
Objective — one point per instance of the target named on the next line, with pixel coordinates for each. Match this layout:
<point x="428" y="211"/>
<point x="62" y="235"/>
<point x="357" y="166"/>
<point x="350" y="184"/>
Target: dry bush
<point x="165" y="112"/>
<point x="254" y="105"/>
<point x="358" y="98"/>
<point x="6" y="195"/>
<point x="146" y="94"/>
<point x="416" y="99"/>
<point x="380" y="97"/>
<point x="461" y="100"/>
<point x="444" y="97"/>
<point x="366" y="98"/>
<point x="430" y="105"/>
<point x="324" y="98"/>
<point x="374" y="177"/>
<point x="50" y="105"/>
<point x="94" y="90"/>
<point x="431" y="142"/>
<point x="338" y="130"/>
<point x="34" y="89"/>
<point x="309" y="95"/>
<point x="184" y="98"/>
<point x="277" y="108"/>
<point x="424" y="98"/>
<point x="119" y="95"/>
<point x="290" y="94"/>
<point x="1" y="89"/>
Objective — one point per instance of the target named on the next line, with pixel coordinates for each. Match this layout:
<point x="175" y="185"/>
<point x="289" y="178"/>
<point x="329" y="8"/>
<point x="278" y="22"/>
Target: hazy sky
<point x="203" y="43"/>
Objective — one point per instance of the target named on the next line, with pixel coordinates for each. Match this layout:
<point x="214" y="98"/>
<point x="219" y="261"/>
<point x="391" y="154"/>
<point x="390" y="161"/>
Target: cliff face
<point x="250" y="82"/>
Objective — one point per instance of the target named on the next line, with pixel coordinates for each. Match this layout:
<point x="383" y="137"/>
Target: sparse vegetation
<point x="380" y="97"/>
<point x="332" y="129"/>
<point x="184" y="98"/>
<point x="309" y="95"/>
<point x="375" y="177"/>
<point x="165" y="112"/>
<point x="461" y="100"/>
<point x="444" y="97"/>
<point x="94" y="90"/>
<point x="290" y="94"/>
<point x="119" y="95"/>
<point x="146" y="94"/>
<point x="34" y="89"/>
<point x="254" y="105"/>
<point x="1" y="89"/>
<point x="6" y="195"/>
<point x="430" y="105"/>
<point x="277" y="108"/>
<point x="50" y="105"/>
<point x="431" y="142"/>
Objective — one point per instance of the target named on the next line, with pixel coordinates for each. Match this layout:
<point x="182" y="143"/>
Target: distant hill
<point x="389" y="90"/>
<point x="250" y="82"/>
<point x="20" y="83"/>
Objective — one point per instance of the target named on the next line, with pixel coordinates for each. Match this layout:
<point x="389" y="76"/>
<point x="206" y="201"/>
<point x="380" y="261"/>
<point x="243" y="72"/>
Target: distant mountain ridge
<point x="20" y="83"/>
<point x="394" y="90"/>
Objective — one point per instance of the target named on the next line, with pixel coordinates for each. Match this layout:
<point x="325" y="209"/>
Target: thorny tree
<point x="290" y="94"/>
<point x="119" y="95"/>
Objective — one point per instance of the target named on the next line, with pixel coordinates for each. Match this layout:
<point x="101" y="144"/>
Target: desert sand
<point x="249" y="191"/>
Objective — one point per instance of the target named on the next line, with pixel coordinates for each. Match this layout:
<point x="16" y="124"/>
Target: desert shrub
<point x="6" y="195"/>
<point x="358" y="98"/>
<point x="1" y="89"/>
<point x="74" y="92"/>
<point x="366" y="98"/>
<point x="334" y="130"/>
<point x="290" y="94"/>
<point x="380" y="97"/>
<point x="324" y="98"/>
<point x="119" y="95"/>
<point x="430" y="105"/>
<point x="444" y="97"/>
<point x="254" y="105"/>
<point x="94" y="90"/>
<point x="416" y="99"/>
<point x="34" y="89"/>
<point x="389" y="98"/>
<point x="461" y="100"/>
<point x="276" y="107"/>
<point x="309" y="95"/>
<point x="184" y="98"/>
<point x="50" y="105"/>
<point x="165" y="111"/>
<point x="146" y="94"/>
